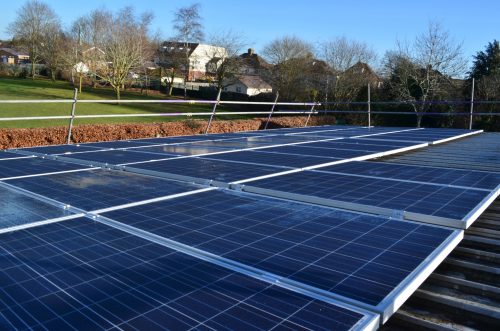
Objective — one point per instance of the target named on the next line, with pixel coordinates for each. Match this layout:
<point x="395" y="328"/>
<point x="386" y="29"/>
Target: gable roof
<point x="177" y="46"/>
<point x="253" y="81"/>
<point x="13" y="51"/>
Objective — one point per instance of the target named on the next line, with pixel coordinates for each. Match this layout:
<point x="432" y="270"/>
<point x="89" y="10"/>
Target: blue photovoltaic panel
<point x="323" y="152"/>
<point x="17" y="209"/>
<point x="184" y="149"/>
<point x="118" y="156"/>
<point x="361" y="257"/>
<point x="80" y="274"/>
<point x="275" y="159"/>
<point x="466" y="178"/>
<point x="58" y="149"/>
<point x="33" y="166"/>
<point x="116" y="144"/>
<point x="8" y="155"/>
<point x="166" y="140"/>
<point x="97" y="189"/>
<point x="198" y="168"/>
<point x="448" y="202"/>
<point x="233" y="144"/>
<point x="355" y="145"/>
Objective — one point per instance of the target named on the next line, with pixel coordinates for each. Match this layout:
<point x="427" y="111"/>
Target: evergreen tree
<point x="487" y="63"/>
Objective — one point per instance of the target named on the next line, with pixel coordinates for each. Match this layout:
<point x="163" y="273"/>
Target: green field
<point x="42" y="89"/>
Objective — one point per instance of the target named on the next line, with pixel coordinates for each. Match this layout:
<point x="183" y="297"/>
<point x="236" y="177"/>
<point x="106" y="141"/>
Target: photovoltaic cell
<point x="33" y="166"/>
<point x="18" y="209"/>
<point x="84" y="275"/>
<point x="97" y="189"/>
<point x="441" y="201"/>
<point x="204" y="169"/>
<point x="473" y="179"/>
<point x="357" y="256"/>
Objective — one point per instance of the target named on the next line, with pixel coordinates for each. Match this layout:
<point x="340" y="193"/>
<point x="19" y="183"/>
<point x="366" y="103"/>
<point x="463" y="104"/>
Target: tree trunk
<point x="419" y="120"/>
<point x="117" y="89"/>
<point x="80" y="83"/>
<point x="53" y="75"/>
<point x="170" y="90"/>
<point x="32" y="69"/>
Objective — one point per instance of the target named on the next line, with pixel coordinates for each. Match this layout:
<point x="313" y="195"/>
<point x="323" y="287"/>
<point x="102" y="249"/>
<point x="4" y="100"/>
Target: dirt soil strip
<point x="14" y="138"/>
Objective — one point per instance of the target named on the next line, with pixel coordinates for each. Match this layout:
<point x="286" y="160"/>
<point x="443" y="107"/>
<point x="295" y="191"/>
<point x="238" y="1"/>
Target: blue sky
<point x="378" y="23"/>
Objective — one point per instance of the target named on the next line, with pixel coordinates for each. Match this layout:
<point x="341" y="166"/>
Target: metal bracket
<point x="398" y="214"/>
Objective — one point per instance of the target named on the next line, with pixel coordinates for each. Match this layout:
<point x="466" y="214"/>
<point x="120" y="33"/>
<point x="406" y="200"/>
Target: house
<point x="366" y="73"/>
<point x="12" y="56"/>
<point x="253" y="64"/>
<point x="248" y="84"/>
<point x="201" y="57"/>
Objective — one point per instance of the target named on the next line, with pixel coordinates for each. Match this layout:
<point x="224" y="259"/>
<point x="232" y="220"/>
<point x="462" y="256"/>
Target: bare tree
<point x="290" y="57"/>
<point x="341" y="54"/>
<point x="52" y="49"/>
<point x="125" y="47"/>
<point x="223" y="55"/>
<point x="420" y="71"/>
<point x="187" y="24"/>
<point x="32" y="25"/>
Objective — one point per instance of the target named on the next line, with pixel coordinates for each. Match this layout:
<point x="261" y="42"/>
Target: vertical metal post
<point x="73" y="106"/>
<point x="272" y="110"/>
<point x="471" y="105"/>
<point x="310" y="113"/>
<point x="369" y="107"/>
<point x="213" y="111"/>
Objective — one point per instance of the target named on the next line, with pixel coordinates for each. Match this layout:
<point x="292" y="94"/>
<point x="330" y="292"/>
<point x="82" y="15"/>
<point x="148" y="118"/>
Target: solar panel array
<point x="279" y="229"/>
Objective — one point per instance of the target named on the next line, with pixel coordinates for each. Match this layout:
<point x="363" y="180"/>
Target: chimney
<point x="250" y="51"/>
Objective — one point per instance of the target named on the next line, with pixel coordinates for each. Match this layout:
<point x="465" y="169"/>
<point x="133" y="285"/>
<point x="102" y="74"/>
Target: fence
<point x="313" y="108"/>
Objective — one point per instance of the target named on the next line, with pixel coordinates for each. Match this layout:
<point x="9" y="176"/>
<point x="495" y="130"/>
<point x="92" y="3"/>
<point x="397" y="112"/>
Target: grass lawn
<point x="43" y="89"/>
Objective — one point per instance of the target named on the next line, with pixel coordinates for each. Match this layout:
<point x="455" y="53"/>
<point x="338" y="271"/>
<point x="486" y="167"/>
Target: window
<point x="238" y="89"/>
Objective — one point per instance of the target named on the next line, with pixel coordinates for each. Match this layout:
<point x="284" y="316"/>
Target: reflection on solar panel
<point x="118" y="156"/>
<point x="33" y="166"/>
<point x="97" y="189"/>
<point x="83" y="275"/>
<point x="166" y="253"/>
<point x="363" y="258"/>
<point x="202" y="170"/>
<point x="17" y="209"/>
<point x="423" y="202"/>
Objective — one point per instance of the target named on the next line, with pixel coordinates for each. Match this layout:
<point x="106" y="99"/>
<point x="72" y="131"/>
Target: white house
<point x="200" y="57"/>
<point x="248" y="84"/>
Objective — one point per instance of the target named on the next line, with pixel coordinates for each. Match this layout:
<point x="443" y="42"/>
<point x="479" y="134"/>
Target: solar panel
<point x="117" y="156"/>
<point x="34" y="166"/>
<point x="465" y="178"/>
<point x="18" y="209"/>
<point x="6" y="155"/>
<point x="56" y="149"/>
<point x="85" y="275"/>
<point x="117" y="144"/>
<point x="423" y="202"/>
<point x="184" y="149"/>
<point x="97" y="189"/>
<point x="261" y="157"/>
<point x="323" y="152"/>
<point x="346" y="255"/>
<point x="202" y="170"/>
